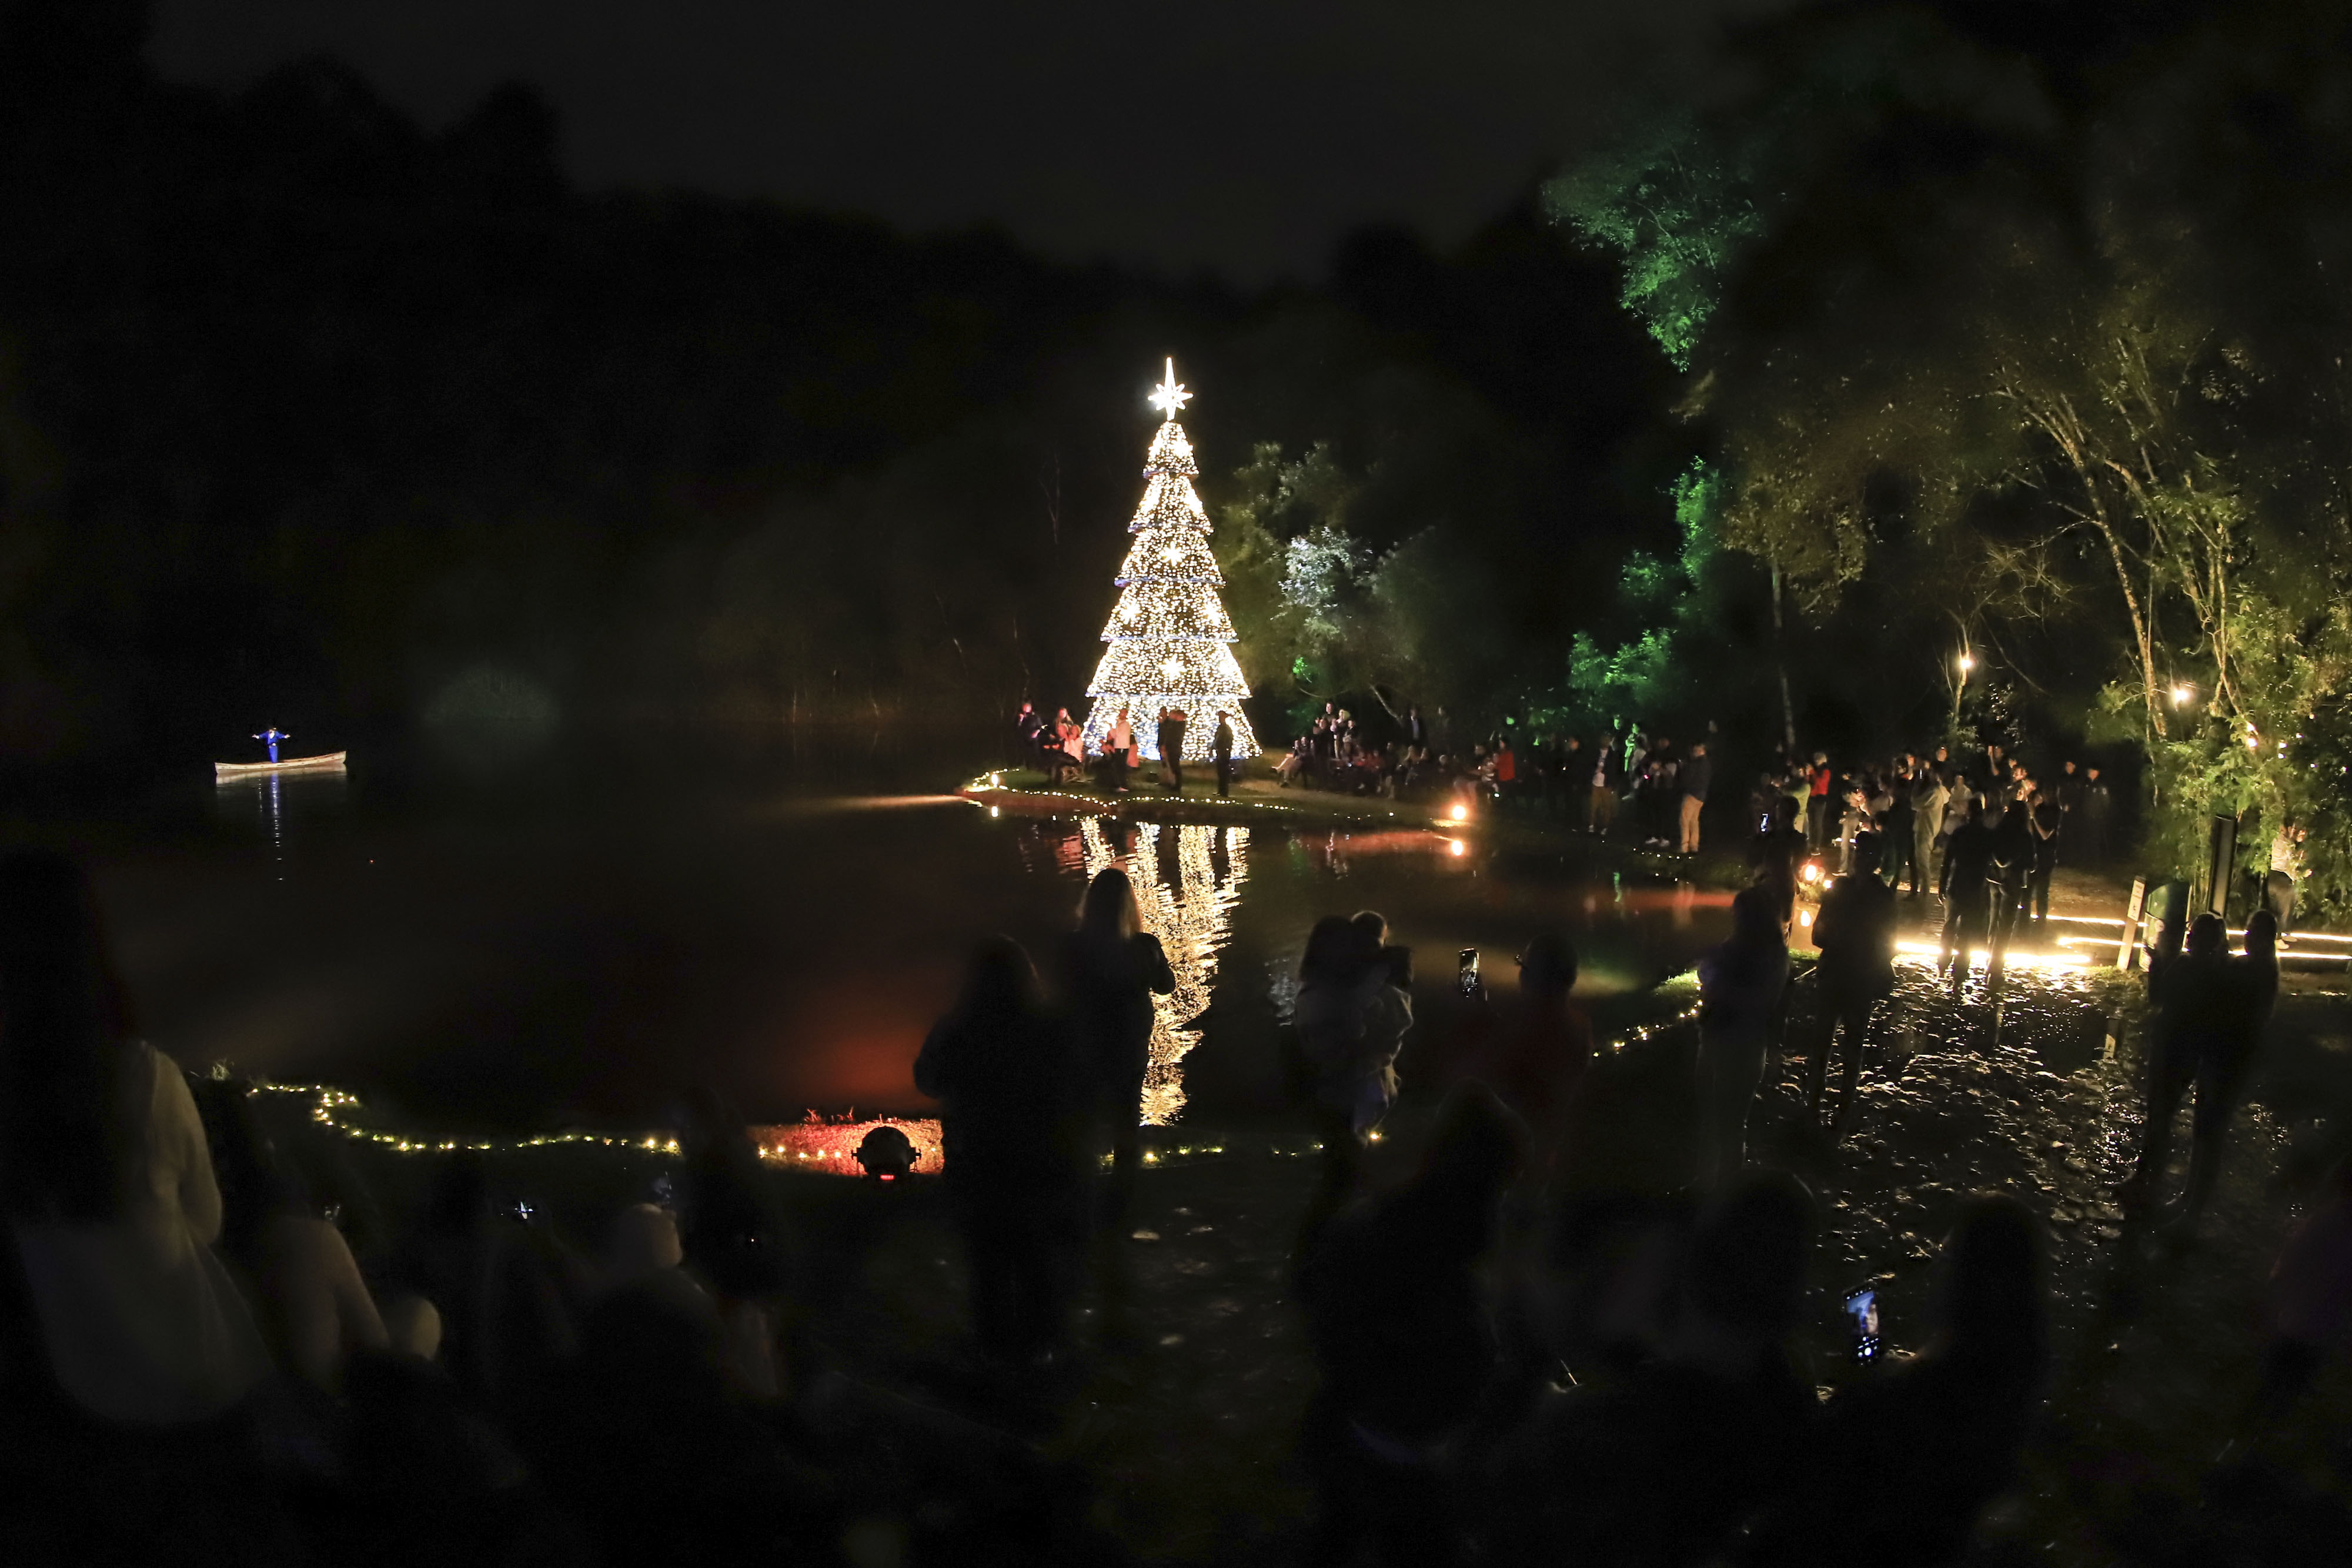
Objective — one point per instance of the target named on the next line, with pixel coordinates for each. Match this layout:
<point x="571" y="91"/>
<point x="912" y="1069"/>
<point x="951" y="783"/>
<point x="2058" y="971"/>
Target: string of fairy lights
<point x="829" y="1143"/>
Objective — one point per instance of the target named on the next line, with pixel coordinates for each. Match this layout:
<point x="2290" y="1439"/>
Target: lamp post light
<point x="1966" y="662"/>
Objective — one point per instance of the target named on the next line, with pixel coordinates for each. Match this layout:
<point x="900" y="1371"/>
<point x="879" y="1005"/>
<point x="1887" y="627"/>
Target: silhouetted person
<point x="2210" y="1015"/>
<point x="1899" y="850"/>
<point x="1171" y="748"/>
<point x="505" y="1321"/>
<point x="1404" y="1340"/>
<point x="1697" y="774"/>
<point x="2310" y="1305"/>
<point x="1658" y="1466"/>
<point x="1221" y="750"/>
<point x="2090" y="831"/>
<point x="2007" y="876"/>
<point x="315" y="1310"/>
<point x="1739" y="994"/>
<point x="1908" y="1456"/>
<point x="732" y="1242"/>
<point x="1855" y="933"/>
<point x="108" y="1180"/>
<point x="1002" y="1068"/>
<point x="646" y="1443"/>
<point x="1967" y="890"/>
<point x="1775" y="856"/>
<point x="2044" y="821"/>
<point x="131" y="1351"/>
<point x="1535" y="1054"/>
<point x="1110" y="969"/>
<point x="1351" y="1016"/>
<point x="1929" y="795"/>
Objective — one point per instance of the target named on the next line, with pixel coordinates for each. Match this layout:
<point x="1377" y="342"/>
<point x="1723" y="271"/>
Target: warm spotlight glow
<point x="1967" y="663"/>
<point x="1460" y="848"/>
<point x="1932" y="954"/>
<point x="2182" y="694"/>
<point x="1460" y="814"/>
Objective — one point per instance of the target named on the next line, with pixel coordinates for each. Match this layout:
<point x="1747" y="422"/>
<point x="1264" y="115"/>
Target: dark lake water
<point x="577" y="940"/>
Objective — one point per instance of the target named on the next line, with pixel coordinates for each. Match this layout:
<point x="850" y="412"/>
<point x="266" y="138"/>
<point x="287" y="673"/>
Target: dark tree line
<point x="310" y="416"/>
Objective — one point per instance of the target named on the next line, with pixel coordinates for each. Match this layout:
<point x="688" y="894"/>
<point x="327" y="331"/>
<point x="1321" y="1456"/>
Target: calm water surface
<point x="573" y="943"/>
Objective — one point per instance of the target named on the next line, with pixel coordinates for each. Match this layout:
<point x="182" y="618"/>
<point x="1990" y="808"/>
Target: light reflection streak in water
<point x="830" y="1145"/>
<point x="1187" y="880"/>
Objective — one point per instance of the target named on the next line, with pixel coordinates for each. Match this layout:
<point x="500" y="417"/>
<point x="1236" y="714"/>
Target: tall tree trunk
<point x="1780" y="663"/>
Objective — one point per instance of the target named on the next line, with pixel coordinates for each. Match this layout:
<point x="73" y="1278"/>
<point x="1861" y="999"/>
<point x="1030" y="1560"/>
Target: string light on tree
<point x="1170" y="639"/>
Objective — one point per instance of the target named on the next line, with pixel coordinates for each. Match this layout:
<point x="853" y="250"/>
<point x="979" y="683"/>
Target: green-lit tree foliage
<point x="2012" y="334"/>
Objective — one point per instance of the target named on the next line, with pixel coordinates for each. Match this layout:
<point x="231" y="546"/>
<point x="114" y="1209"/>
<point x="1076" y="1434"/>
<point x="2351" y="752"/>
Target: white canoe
<point x="332" y="762"/>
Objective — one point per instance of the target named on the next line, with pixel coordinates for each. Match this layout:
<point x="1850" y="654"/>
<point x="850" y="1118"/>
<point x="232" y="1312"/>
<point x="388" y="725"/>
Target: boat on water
<point x="328" y="762"/>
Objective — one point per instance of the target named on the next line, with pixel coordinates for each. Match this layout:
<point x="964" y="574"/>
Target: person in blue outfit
<point x="271" y="737"/>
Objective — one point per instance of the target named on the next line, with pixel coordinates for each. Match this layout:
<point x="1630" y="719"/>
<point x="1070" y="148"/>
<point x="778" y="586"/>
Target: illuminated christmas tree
<point x="1170" y="636"/>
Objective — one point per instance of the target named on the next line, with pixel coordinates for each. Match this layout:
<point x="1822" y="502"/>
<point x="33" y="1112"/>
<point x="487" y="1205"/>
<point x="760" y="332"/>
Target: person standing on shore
<point x="1111" y="969"/>
<point x="2091" y="832"/>
<point x="1001" y="1066"/>
<point x="1117" y="742"/>
<point x="1696" y="774"/>
<point x="1928" y="796"/>
<point x="1817" y="803"/>
<point x="1171" y="748"/>
<point x="1605" y="779"/>
<point x="1967" y="894"/>
<point x="1739" y="993"/>
<point x="1855" y="933"/>
<point x="1221" y="747"/>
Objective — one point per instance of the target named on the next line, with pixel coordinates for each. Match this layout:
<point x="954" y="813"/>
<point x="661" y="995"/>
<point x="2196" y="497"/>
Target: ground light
<point x="1460" y="814"/>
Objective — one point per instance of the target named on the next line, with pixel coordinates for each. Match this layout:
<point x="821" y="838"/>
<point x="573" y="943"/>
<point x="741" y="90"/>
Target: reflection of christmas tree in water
<point x="1187" y="880"/>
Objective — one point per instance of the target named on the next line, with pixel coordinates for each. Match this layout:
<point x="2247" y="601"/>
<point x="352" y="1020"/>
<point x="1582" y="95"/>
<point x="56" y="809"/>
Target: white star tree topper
<point x="1169" y="396"/>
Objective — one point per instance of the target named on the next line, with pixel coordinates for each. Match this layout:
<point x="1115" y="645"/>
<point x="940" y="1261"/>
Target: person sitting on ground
<point x="1073" y="736"/>
<point x="106" y="1176"/>
<point x="506" y="1319"/>
<point x="1661" y="1465"/>
<point x="643" y="1243"/>
<point x="1855" y="933"/>
<point x="1907" y="1457"/>
<point x="1005" y="1071"/>
<point x="1404" y="1342"/>
<point x="646" y="1411"/>
<point x="313" y="1306"/>
<point x="1292" y="767"/>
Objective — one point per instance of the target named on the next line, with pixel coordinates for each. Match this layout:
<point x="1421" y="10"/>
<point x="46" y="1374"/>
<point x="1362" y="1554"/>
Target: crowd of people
<point x="208" y="1357"/>
<point x="1627" y="783"/>
<point x="1057" y="749"/>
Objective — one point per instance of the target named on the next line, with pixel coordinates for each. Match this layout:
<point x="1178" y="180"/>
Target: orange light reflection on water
<point x="830" y="1145"/>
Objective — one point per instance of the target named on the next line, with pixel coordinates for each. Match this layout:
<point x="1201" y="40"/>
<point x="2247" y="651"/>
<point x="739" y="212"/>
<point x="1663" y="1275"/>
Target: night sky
<point x="1234" y="134"/>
